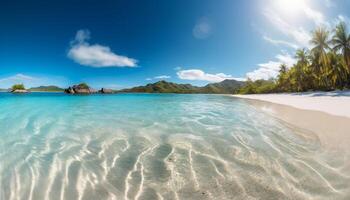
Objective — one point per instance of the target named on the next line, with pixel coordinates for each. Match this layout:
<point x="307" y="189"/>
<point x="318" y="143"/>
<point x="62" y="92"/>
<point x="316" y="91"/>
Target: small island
<point x="84" y="88"/>
<point x="81" y="88"/>
<point x="18" y="88"/>
<point x="50" y="88"/>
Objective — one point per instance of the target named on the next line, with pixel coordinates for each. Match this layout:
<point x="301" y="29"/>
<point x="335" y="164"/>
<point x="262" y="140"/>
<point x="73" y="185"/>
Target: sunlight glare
<point x="290" y="7"/>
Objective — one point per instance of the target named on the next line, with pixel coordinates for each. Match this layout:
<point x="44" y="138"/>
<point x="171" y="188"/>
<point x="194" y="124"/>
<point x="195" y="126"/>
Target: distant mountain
<point x="163" y="87"/>
<point x="224" y="87"/>
<point x="50" y="88"/>
<point x="227" y="86"/>
<point x="3" y="90"/>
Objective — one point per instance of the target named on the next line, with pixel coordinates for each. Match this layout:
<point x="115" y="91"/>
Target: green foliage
<point x="258" y="87"/>
<point x="162" y="87"/>
<point x="50" y="88"/>
<point x="341" y="42"/>
<point x="83" y="86"/>
<point x="325" y="67"/>
<point x="224" y="87"/>
<point x="18" y="87"/>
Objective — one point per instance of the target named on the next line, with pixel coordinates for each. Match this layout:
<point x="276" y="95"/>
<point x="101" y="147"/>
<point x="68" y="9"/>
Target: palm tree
<point x="282" y="77"/>
<point x="301" y="71"/>
<point x="338" y="75"/>
<point x="320" y="41"/>
<point x="301" y="55"/>
<point x="341" y="42"/>
<point x="283" y="69"/>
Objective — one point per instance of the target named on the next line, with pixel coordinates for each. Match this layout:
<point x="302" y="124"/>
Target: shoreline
<point x="332" y="130"/>
<point x="335" y="103"/>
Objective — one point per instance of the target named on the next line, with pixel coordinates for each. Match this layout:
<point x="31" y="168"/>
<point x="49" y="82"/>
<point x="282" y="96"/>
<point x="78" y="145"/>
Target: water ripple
<point x="182" y="147"/>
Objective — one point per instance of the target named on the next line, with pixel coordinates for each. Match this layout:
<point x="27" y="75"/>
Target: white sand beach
<point x="327" y="114"/>
<point x="334" y="103"/>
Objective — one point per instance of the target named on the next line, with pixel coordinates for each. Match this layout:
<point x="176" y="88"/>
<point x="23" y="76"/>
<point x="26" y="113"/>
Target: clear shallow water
<point x="149" y="146"/>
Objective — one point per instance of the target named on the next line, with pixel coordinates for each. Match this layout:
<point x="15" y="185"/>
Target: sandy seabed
<point x="161" y="147"/>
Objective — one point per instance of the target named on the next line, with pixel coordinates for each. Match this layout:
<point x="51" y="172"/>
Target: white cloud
<point x="177" y="68"/>
<point x="162" y="77"/>
<point x="316" y="16"/>
<point x="282" y="14"/>
<point x="15" y="79"/>
<point x="96" y="55"/>
<point x="202" y="29"/>
<point x="341" y="18"/>
<point x="298" y="34"/>
<point x="280" y="42"/>
<point x="296" y="9"/>
<point x="31" y="81"/>
<point x="159" y="77"/>
<point x="82" y="36"/>
<point x="197" y="74"/>
<point x="286" y="59"/>
<point x="297" y="18"/>
<point x="265" y="71"/>
<point x="271" y="69"/>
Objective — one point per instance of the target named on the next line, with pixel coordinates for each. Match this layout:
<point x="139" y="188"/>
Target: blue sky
<point x="120" y="44"/>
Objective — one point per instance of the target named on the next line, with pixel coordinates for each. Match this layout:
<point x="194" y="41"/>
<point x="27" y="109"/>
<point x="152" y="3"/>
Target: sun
<point x="290" y="6"/>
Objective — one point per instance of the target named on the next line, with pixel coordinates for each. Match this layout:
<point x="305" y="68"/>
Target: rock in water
<point x="83" y="88"/>
<point x="69" y="90"/>
<point x="80" y="89"/>
<point x="106" y="91"/>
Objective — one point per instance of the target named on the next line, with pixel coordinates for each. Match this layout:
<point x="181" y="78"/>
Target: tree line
<point x="326" y="66"/>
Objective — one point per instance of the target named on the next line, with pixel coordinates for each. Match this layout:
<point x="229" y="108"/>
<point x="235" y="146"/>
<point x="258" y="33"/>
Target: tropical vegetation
<point x="50" y="88"/>
<point x="326" y="66"/>
<point x="18" y="87"/>
<point x="83" y="86"/>
<point x="223" y="87"/>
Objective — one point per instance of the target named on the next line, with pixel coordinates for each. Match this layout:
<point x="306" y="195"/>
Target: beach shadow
<point x="338" y="93"/>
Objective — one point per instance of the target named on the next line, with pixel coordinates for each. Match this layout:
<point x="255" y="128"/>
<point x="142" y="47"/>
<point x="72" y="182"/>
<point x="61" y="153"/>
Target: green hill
<point x="50" y="88"/>
<point x="227" y="86"/>
<point x="224" y="87"/>
<point x="163" y="87"/>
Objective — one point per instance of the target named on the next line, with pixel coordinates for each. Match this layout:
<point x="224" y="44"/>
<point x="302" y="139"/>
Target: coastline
<point x="332" y="128"/>
<point x="334" y="103"/>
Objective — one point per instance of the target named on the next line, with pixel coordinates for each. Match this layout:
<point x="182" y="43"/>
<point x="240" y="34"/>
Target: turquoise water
<point x="158" y="146"/>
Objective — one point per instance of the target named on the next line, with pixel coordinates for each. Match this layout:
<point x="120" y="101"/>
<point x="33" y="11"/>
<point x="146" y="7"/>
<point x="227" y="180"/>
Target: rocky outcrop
<point x="85" y="89"/>
<point x="69" y="90"/>
<point x="80" y="89"/>
<point x="106" y="91"/>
